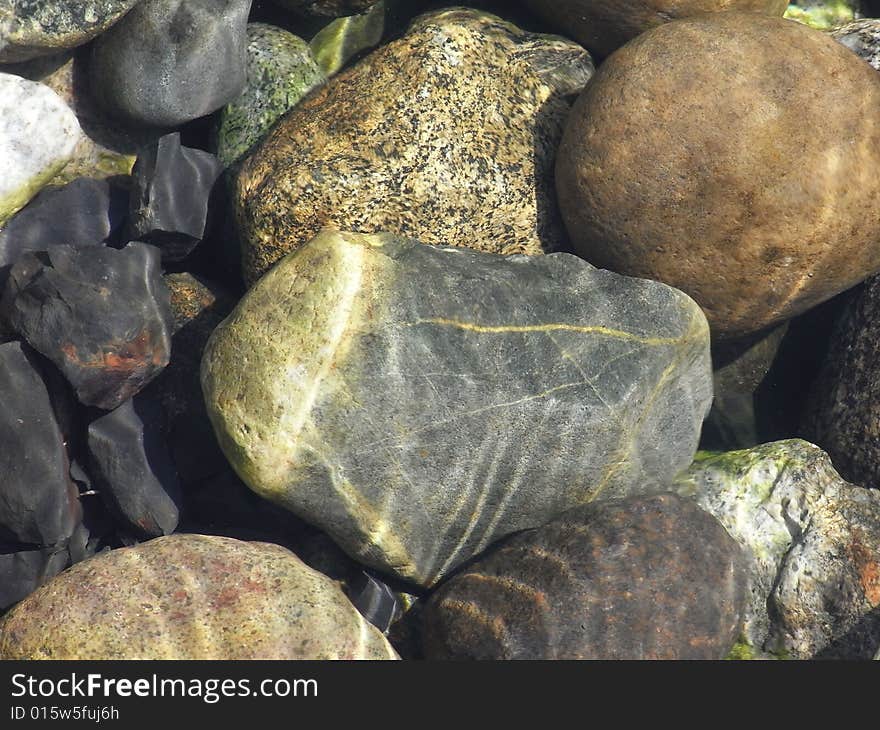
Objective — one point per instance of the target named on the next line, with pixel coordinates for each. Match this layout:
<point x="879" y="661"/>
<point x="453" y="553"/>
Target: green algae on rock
<point x="190" y="597"/>
<point x="447" y="135"/>
<point x="814" y="545"/>
<point x="419" y="402"/>
<point x="822" y="15"/>
<point x="280" y="71"/>
<point x="344" y="38"/>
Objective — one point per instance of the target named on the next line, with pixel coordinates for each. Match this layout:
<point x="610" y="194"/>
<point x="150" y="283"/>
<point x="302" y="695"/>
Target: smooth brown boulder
<point x="605" y="25"/>
<point x="733" y="156"/>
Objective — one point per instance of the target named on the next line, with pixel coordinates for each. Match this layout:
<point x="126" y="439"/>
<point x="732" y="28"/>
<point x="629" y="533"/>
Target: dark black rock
<point x="101" y="315"/>
<point x="132" y="468"/>
<point x="375" y="600"/>
<point x="172" y="187"/>
<point x="84" y="212"/>
<point x="640" y="578"/>
<point x="23" y="571"/>
<point x="38" y="502"/>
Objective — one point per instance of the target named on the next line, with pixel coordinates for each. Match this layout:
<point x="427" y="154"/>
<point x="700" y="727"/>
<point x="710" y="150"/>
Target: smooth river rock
<point x="447" y="135"/>
<point x="641" y="578"/>
<point x="756" y="178"/>
<point x="190" y="597"/>
<point x="814" y="548"/>
<point x="419" y="402"/>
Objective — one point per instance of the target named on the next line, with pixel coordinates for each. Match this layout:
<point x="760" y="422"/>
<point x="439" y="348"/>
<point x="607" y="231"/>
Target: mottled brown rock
<point x="605" y="25"/>
<point x="733" y="156"/>
<point x="190" y="597"/>
<point x="639" y="578"/>
<point x="447" y="135"/>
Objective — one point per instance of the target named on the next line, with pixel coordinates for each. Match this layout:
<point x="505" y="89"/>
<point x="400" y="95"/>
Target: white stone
<point x="38" y="134"/>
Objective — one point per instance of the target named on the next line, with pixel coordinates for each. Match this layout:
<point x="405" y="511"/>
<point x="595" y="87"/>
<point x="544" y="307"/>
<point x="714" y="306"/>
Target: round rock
<point x="190" y="597"/>
<point x="713" y="154"/>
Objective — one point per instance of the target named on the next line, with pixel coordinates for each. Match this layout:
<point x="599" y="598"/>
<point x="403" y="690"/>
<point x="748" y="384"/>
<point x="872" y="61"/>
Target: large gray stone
<point x="863" y="38"/>
<point x="418" y="402"/>
<point x="814" y="545"/>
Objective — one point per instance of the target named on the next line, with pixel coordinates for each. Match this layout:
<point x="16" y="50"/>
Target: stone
<point x="39" y="504"/>
<point x="419" y="402"/>
<point x="843" y="406"/>
<point x="863" y="38"/>
<point x="42" y="27"/>
<point x="38" y="134"/>
<point x="84" y="212"/>
<point x="132" y="467"/>
<point x="605" y="25"/>
<point x="326" y="8"/>
<point x="757" y="192"/>
<point x="822" y="15"/>
<point x="813" y="542"/>
<point x="101" y="315"/>
<point x="641" y="578"/>
<point x="23" y="571"/>
<point x="171" y="61"/>
<point x="375" y="600"/>
<point x="280" y="71"/>
<point x="343" y="39"/>
<point x="170" y="196"/>
<point x="446" y="135"/>
<point x="190" y="597"/>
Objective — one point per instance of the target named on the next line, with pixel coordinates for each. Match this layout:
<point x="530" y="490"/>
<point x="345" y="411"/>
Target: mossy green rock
<point x="419" y="402"/>
<point x="280" y="70"/>
<point x="190" y="597"/>
<point x="822" y="15"/>
<point x="344" y="38"/>
<point x="814" y="542"/>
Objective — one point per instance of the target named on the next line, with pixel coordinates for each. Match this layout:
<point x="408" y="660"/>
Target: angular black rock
<point x="132" y="468"/>
<point x="638" y="578"/>
<point x="38" y="502"/>
<point x="84" y="212"/>
<point x="23" y="571"/>
<point x="172" y="186"/>
<point x="101" y="315"/>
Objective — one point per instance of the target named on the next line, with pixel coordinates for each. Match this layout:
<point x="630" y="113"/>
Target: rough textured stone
<point x="280" y="71"/>
<point x="344" y="38"/>
<point x="843" y="408"/>
<point x="38" y="134"/>
<point x="641" y="578"/>
<point x="447" y="135"/>
<point x="190" y="597"/>
<point x="327" y="8"/>
<point x="170" y="195"/>
<point x="756" y="177"/>
<point x="132" y="467"/>
<point x="42" y="27"/>
<point x="814" y="544"/>
<point x="39" y="503"/>
<point x="419" y="402"/>
<point x="863" y="38"/>
<point x="101" y="315"/>
<point x="605" y="25"/>
<point x="170" y="61"/>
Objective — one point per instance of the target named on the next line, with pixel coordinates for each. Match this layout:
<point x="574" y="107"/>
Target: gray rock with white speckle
<point x="863" y="38"/>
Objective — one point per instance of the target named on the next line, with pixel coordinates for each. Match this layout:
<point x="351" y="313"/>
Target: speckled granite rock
<point x="863" y="38"/>
<point x="190" y="597"/>
<point x="38" y="134"/>
<point x="42" y="27"/>
<point x="417" y="402"/>
<point x="170" y="61"/>
<point x="605" y="25"/>
<point x="641" y="578"/>
<point x="447" y="135"/>
<point x="722" y="162"/>
<point x="280" y="71"/>
<point x="814" y="544"/>
<point x="344" y="38"/>
<point x="327" y="8"/>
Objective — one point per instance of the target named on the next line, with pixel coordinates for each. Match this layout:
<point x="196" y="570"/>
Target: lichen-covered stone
<point x="280" y="71"/>
<point x="190" y="597"/>
<point x="640" y="578"/>
<point x="605" y="25"/>
<point x="863" y="38"/>
<point x="38" y="134"/>
<point x="814" y="545"/>
<point x="419" y="402"/>
<point x="756" y="177"/>
<point x="822" y="15"/>
<point x="344" y="38"/>
<point x="42" y="27"/>
<point x="447" y="135"/>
